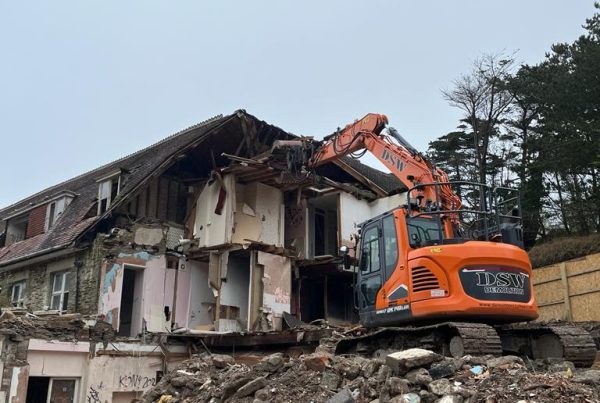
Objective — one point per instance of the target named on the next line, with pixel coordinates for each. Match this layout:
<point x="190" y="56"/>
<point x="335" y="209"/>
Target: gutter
<point x="40" y="256"/>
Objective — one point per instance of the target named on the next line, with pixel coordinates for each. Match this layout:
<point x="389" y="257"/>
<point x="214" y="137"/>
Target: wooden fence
<point x="569" y="290"/>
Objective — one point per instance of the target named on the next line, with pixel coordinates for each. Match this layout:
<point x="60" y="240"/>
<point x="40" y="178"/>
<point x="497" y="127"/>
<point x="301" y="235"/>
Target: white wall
<point x="258" y="214"/>
<point x="202" y="299"/>
<point x="235" y="290"/>
<point x="210" y="228"/>
<point x="353" y="211"/>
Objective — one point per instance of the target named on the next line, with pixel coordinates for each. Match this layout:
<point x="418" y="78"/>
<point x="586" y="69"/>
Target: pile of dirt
<point x="409" y="376"/>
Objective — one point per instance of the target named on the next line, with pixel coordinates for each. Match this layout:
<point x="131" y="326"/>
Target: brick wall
<point x="36" y="222"/>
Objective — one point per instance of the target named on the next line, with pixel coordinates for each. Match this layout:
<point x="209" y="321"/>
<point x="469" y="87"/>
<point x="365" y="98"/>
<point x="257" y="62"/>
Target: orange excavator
<point x="438" y="274"/>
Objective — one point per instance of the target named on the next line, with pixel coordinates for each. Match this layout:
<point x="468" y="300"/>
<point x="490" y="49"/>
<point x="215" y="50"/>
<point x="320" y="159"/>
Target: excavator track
<point x="549" y="340"/>
<point x="535" y="340"/>
<point x="449" y="338"/>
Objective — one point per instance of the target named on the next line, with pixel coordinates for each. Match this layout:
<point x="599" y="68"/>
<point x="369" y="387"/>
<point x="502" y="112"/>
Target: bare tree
<point x="484" y="100"/>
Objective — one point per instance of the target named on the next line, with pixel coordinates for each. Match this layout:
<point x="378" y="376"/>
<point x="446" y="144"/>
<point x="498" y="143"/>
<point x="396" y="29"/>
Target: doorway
<point x="130" y="321"/>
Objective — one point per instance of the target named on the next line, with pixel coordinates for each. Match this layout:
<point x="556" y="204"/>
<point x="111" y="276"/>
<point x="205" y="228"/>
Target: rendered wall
<point x="353" y="212"/>
<point x="130" y="373"/>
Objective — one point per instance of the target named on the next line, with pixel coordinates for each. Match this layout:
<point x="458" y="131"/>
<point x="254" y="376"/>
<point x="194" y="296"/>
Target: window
<point x="16" y="229"/>
<point x="60" y="291"/>
<point x="42" y="389"/>
<point x="424" y="231"/>
<point x="108" y="190"/>
<point x="17" y="294"/>
<point x="55" y="209"/>
<point x="369" y="260"/>
<point x="390" y="244"/>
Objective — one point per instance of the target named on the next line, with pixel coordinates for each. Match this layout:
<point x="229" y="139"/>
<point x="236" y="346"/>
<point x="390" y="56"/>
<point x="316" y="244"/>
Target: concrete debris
<point x="319" y="377"/>
<point x="403" y="361"/>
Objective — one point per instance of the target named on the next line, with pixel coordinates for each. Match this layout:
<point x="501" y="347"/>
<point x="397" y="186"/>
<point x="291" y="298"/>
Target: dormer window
<point x="108" y="190"/>
<point x="55" y="209"/>
<point x="16" y="229"/>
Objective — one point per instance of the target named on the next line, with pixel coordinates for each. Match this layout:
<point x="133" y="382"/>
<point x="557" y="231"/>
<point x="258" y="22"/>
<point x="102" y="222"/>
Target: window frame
<point x="63" y="290"/>
<point x="59" y="378"/>
<point x="391" y="265"/>
<point x="20" y="301"/>
<point x="377" y="239"/>
<point x="109" y="180"/>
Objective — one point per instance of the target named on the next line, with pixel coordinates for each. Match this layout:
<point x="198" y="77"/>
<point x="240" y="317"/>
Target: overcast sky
<point x="85" y="82"/>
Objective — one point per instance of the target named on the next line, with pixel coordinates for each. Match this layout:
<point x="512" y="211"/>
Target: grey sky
<point x="85" y="82"/>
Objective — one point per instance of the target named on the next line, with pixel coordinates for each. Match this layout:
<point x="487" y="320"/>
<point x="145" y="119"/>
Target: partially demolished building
<point x="205" y="233"/>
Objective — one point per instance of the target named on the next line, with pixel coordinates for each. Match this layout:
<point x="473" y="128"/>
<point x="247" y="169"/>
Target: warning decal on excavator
<point x="496" y="283"/>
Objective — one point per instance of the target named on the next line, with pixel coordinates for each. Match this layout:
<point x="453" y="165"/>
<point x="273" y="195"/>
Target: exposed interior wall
<point x="213" y="225"/>
<point x="202" y="300"/>
<point x="258" y="214"/>
<point x="277" y="287"/>
<point x="323" y="225"/>
<point x="296" y="226"/>
<point x="354" y="211"/>
<point x="239" y="213"/>
<point x="233" y="297"/>
<point x="160" y="287"/>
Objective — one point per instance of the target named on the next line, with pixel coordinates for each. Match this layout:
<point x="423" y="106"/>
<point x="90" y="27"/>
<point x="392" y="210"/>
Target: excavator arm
<point x="404" y="162"/>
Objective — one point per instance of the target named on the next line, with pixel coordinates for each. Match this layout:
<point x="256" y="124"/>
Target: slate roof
<point x="73" y="221"/>
<point x="137" y="167"/>
<point x="386" y="181"/>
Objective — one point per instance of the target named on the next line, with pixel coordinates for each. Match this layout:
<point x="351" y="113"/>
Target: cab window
<point x="369" y="260"/>
<point x="390" y="244"/>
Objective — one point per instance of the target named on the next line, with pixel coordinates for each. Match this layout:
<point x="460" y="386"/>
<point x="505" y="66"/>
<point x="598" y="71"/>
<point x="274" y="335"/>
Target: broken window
<point x="17" y="294"/>
<point x="54" y="210"/>
<point x="108" y="190"/>
<point x="16" y="229"/>
<point x="60" y="291"/>
<point x="53" y="390"/>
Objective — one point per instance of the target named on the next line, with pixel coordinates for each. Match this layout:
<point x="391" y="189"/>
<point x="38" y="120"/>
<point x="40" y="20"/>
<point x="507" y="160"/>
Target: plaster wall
<point x="210" y="228"/>
<point x="277" y="282"/>
<point x="202" y="300"/>
<point x="235" y="289"/>
<point x="353" y="212"/>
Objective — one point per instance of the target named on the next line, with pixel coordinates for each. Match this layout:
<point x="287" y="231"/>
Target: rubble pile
<point x="70" y="327"/>
<point x="409" y="376"/>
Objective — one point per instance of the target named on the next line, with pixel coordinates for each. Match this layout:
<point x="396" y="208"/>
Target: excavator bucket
<point x="295" y="154"/>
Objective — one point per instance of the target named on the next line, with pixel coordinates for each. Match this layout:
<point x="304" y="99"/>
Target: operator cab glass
<point x="424" y="231"/>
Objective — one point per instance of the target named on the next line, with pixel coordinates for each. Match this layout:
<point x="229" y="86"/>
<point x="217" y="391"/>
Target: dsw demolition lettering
<point x="136" y="381"/>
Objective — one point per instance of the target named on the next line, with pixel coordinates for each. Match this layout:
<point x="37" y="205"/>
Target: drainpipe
<point x="78" y="265"/>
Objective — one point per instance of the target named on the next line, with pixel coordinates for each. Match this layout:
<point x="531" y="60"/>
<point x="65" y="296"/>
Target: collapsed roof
<point x="240" y="134"/>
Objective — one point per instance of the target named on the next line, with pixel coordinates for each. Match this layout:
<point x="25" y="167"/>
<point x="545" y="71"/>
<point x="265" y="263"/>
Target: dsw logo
<point x="393" y="160"/>
<point x="487" y="279"/>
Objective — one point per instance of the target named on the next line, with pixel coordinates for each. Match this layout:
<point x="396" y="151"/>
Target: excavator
<point x="433" y="272"/>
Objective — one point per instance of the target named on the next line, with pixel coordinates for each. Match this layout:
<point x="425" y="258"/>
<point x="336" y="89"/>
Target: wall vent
<point x="423" y="279"/>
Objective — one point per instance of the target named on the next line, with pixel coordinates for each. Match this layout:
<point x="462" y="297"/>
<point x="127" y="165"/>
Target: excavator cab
<point x="420" y="262"/>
